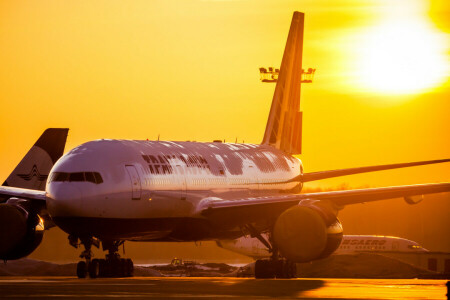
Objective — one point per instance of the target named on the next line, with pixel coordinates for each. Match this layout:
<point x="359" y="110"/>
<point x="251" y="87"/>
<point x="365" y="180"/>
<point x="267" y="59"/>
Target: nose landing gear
<point x="112" y="266"/>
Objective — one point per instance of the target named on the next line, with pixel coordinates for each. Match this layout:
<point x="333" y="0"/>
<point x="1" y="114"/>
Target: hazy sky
<point x="188" y="70"/>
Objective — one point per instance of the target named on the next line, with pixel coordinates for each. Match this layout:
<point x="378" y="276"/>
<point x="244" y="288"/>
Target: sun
<point x="403" y="57"/>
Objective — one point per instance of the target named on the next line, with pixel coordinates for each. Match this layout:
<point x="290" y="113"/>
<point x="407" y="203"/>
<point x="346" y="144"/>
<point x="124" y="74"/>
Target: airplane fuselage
<point x="351" y="244"/>
<point x="150" y="190"/>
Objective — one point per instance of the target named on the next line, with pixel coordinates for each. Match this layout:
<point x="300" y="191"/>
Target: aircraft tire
<point x="81" y="269"/>
<point x="103" y="268"/>
<point x="264" y="269"/>
<point x="123" y="268"/>
<point x="280" y="268"/>
<point x="94" y="268"/>
<point x="114" y="268"/>
<point x="130" y="268"/>
<point x="286" y="269"/>
<point x="292" y="269"/>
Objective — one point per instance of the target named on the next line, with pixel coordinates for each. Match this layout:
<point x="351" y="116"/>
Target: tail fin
<point x="284" y="126"/>
<point x="33" y="169"/>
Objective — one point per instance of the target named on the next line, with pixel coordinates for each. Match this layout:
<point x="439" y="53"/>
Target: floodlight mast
<point x="271" y="75"/>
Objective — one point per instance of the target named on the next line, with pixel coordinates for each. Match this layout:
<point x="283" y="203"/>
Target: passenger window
<point x="151" y="169"/>
<point x="79" y="176"/>
<point x="89" y="177"/>
<point x="98" y="178"/>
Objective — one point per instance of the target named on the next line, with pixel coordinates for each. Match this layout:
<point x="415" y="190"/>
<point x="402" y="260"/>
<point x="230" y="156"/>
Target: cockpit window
<point x="93" y="177"/>
<point x="89" y="177"/>
<point x="60" y="176"/>
<point x="79" y="176"/>
<point x="98" y="177"/>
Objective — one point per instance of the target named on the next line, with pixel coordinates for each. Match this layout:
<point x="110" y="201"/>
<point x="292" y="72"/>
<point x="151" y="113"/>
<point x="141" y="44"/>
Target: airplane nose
<point x="64" y="199"/>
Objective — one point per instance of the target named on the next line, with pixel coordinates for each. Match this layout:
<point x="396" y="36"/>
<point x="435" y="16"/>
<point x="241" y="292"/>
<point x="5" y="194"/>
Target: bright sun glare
<point x="403" y="57"/>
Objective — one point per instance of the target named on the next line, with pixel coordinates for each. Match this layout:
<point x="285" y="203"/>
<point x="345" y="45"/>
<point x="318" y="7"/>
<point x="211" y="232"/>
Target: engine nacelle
<point x="21" y="232"/>
<point x="308" y="231"/>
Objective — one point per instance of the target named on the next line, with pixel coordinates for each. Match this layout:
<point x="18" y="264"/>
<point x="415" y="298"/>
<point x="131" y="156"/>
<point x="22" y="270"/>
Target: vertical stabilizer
<point x="33" y="169"/>
<point x="284" y="126"/>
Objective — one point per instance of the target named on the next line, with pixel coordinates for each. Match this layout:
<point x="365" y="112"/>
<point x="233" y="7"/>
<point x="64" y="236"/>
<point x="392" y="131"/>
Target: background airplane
<point x="350" y="244"/>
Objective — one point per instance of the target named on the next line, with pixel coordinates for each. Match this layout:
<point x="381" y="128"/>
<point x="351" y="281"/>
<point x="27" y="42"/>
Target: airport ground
<point x="219" y="288"/>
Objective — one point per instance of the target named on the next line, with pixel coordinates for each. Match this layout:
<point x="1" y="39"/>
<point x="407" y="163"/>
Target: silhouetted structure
<point x="271" y="75"/>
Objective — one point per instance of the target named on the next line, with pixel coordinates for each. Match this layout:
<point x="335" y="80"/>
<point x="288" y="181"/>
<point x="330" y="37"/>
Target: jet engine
<point x="21" y="231"/>
<point x="308" y="231"/>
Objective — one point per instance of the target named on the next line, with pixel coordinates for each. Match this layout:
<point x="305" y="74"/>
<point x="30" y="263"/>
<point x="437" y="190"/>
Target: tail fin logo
<point x="34" y="172"/>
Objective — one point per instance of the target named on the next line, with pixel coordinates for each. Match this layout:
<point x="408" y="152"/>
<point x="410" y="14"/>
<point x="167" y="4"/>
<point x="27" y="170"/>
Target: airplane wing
<point x="233" y="212"/>
<point x="36" y="198"/>
<point x="351" y="171"/>
<point x="29" y="194"/>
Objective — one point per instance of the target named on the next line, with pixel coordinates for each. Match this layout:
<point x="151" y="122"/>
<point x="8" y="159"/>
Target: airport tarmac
<point x="220" y="287"/>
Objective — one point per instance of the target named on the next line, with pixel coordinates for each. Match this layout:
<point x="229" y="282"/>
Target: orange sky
<point x="188" y="70"/>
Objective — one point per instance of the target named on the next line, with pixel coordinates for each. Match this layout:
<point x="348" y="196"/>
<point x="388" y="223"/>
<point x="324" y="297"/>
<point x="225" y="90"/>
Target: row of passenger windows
<point x="364" y="247"/>
<point x="200" y="181"/>
<point x="93" y="177"/>
<point x="193" y="181"/>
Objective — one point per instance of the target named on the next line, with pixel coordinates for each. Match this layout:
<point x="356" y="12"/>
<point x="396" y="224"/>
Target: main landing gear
<point x="98" y="268"/>
<point x="111" y="266"/>
<point x="275" y="266"/>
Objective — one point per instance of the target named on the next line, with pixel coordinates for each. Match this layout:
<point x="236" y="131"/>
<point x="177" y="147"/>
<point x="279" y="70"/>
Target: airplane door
<point x="135" y="182"/>
<point x="255" y="187"/>
<point x="394" y="245"/>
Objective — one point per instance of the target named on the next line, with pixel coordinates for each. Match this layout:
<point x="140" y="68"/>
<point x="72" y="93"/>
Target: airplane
<point x="106" y="192"/>
<point x="377" y="243"/>
<point x="351" y="244"/>
<point x="21" y="215"/>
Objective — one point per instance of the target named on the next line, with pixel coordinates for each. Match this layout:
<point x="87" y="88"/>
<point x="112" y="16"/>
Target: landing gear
<point x="270" y="268"/>
<point x="111" y="266"/>
<point x="81" y="269"/>
<point x="275" y="267"/>
<point x="118" y="267"/>
<point x="94" y="268"/>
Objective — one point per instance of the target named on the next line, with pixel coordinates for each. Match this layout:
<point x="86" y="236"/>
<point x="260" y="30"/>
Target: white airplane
<point x="110" y="191"/>
<point x="377" y="243"/>
<point x="351" y="244"/>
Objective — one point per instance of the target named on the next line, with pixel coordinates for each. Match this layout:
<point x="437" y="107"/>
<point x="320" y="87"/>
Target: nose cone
<point x="64" y="199"/>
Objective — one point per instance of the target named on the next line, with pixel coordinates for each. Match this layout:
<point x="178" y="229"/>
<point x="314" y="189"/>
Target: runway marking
<point x="24" y="280"/>
<point x="376" y="289"/>
<point x="242" y="288"/>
